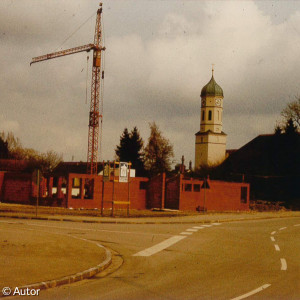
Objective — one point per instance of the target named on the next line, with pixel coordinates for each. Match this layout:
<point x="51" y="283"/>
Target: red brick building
<point x="90" y="191"/>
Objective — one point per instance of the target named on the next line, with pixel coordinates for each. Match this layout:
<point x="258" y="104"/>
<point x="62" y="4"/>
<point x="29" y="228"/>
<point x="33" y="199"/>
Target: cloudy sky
<point x="158" y="58"/>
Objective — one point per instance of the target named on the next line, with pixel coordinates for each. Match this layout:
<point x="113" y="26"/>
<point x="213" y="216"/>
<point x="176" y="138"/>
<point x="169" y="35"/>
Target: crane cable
<point x="102" y="88"/>
<point x="75" y="31"/>
<point x="86" y="82"/>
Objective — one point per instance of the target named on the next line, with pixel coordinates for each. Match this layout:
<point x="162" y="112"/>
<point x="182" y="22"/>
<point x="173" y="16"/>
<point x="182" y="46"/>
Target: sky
<point x="159" y="55"/>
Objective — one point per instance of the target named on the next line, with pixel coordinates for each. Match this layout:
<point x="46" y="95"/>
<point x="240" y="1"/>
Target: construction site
<point x="113" y="185"/>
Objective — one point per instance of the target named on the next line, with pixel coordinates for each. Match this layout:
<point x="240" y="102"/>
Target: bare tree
<point x="292" y="112"/>
<point x="46" y="162"/>
<point x="158" y="152"/>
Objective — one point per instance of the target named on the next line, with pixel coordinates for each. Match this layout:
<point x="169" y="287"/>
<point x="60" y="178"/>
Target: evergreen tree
<point x="290" y="127"/>
<point x="131" y="150"/>
<point x="277" y="130"/>
<point x="4" y="152"/>
<point x="123" y="150"/>
<point x="137" y="152"/>
<point x="158" y="153"/>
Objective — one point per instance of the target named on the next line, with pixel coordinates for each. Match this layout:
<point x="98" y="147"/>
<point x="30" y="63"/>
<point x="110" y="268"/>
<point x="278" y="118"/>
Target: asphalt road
<point x="251" y="259"/>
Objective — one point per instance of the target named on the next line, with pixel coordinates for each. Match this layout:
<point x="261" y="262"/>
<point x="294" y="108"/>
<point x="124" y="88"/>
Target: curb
<point x="145" y="222"/>
<point x="71" y="278"/>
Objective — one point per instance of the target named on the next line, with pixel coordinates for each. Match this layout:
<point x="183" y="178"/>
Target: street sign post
<point x="123" y="172"/>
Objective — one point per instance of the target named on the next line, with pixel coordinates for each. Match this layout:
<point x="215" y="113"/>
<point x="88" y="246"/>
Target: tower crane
<point x="95" y="115"/>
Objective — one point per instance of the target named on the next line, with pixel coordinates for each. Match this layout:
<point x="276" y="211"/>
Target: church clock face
<point x="203" y="102"/>
<point x="218" y="102"/>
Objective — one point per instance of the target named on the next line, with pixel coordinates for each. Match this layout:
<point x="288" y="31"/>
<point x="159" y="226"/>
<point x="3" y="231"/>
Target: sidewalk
<point x="31" y="256"/>
<point x="135" y="217"/>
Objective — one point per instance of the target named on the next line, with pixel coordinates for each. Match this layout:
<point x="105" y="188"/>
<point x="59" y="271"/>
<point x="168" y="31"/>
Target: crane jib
<point x="97" y="75"/>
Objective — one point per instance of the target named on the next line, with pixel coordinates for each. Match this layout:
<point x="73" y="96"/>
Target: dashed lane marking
<point x="273" y="232"/>
<point x="272" y="239"/>
<point x="161" y="246"/>
<point x="297" y="225"/>
<point x="169" y="242"/>
<point x="216" y="224"/>
<point x="277" y="247"/>
<point x="186" y="233"/>
<point x="283" y="264"/>
<point x="282" y="228"/>
<point x="263" y="287"/>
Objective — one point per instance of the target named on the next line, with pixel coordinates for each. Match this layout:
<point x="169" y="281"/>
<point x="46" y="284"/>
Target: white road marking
<point x="186" y="233"/>
<point x="206" y="225"/>
<point x="192" y="230"/>
<point x="297" y="225"/>
<point x="216" y="223"/>
<point x="198" y="227"/>
<point x="263" y="287"/>
<point x="272" y="239"/>
<point x="161" y="246"/>
<point x="273" y="232"/>
<point x="283" y="264"/>
<point x="282" y="228"/>
<point x="277" y="247"/>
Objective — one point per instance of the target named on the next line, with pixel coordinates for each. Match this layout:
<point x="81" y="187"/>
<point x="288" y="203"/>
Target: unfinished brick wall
<point x="113" y="191"/>
<point x="17" y="188"/>
<point x="220" y="196"/>
<point x="1" y="182"/>
<point x="190" y="197"/>
<point x="156" y="192"/>
<point x="226" y="196"/>
<point x="172" y="192"/>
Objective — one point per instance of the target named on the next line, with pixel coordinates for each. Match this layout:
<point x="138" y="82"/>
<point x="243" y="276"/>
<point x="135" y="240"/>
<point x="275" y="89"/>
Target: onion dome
<point x="212" y="89"/>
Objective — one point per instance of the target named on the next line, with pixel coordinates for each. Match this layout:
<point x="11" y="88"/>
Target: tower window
<point x="203" y="115"/>
<point x="209" y="115"/>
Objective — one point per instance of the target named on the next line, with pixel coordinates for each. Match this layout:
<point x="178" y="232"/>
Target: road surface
<point x="257" y="259"/>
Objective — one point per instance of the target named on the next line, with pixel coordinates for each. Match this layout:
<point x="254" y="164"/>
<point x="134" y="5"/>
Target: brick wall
<point x="220" y="196"/>
<point x="172" y="192"/>
<point x="17" y="188"/>
<point x="117" y="191"/>
<point x="156" y="192"/>
<point x="1" y="182"/>
<point x="13" y="165"/>
<point x="159" y="192"/>
<point x="190" y="198"/>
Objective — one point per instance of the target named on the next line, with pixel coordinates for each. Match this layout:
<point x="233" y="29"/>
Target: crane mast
<point x="95" y="115"/>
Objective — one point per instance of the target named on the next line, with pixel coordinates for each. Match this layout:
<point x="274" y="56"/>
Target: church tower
<point x="210" y="145"/>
